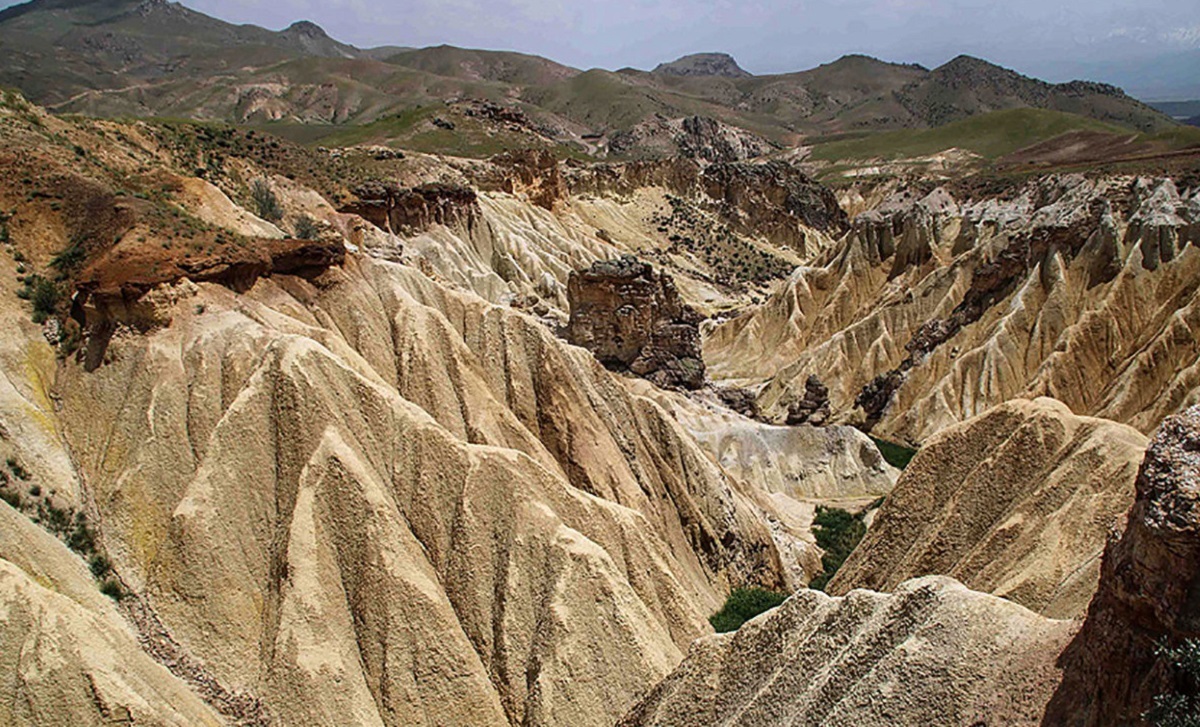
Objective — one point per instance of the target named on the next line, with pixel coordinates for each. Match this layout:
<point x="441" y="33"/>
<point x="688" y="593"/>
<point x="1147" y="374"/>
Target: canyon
<point x="356" y="433"/>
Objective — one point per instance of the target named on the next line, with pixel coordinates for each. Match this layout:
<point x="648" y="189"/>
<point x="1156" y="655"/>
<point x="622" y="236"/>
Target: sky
<point x="1052" y="39"/>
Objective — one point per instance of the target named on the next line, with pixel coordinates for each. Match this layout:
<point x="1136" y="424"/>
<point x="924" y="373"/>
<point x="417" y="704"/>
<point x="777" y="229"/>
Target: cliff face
<point x="1147" y="594"/>
<point x="630" y="316"/>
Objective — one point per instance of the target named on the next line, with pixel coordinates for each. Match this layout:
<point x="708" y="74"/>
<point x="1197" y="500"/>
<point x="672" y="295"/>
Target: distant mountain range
<point x="157" y="58"/>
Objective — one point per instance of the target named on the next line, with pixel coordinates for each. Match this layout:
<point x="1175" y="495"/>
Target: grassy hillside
<point x="990" y="135"/>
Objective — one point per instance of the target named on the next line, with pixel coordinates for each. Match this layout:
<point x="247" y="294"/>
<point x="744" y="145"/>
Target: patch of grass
<point x="897" y="455"/>
<point x="742" y="605"/>
<point x="100" y="565"/>
<point x="69" y="258"/>
<point x="838" y="532"/>
<point x="43" y="294"/>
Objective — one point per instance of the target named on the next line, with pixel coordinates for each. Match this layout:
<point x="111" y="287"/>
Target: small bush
<point x="838" y="532"/>
<point x="99" y="565"/>
<point x="43" y="294"/>
<point x="111" y="587"/>
<point x="306" y="228"/>
<point x="70" y="257"/>
<point x="1181" y="706"/>
<point x="12" y="498"/>
<point x="266" y="204"/>
<point x="897" y="455"/>
<point x="742" y="605"/>
<point x="15" y="467"/>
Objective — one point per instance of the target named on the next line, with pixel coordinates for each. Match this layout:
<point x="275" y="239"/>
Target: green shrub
<point x="1179" y="707"/>
<point x="306" y="228"/>
<point x="742" y="605"/>
<point x="897" y="455"/>
<point x="111" y="587"/>
<point x="43" y="294"/>
<point x="838" y="532"/>
<point x="12" y="498"/>
<point x="266" y="204"/>
<point x="100" y="565"/>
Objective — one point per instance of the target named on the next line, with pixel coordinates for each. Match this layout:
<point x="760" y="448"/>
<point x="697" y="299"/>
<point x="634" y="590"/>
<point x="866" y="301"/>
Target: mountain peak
<point x="306" y="28"/>
<point x="703" y="64"/>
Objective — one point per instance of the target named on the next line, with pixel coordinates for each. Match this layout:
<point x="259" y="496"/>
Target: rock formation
<point x="1016" y="502"/>
<point x="1147" y="595"/>
<point x="631" y="317"/>
<point x="813" y="408"/>
<point x="1048" y="287"/>
<point x="933" y="652"/>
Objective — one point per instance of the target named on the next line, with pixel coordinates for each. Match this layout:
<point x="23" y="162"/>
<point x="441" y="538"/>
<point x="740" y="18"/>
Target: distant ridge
<point x="157" y="58"/>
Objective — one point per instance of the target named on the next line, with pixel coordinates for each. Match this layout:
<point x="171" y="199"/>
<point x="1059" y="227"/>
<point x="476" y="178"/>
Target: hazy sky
<point x="1046" y="37"/>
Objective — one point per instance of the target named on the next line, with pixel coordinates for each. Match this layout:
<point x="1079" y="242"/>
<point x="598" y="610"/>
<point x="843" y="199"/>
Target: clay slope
<point x="376" y="497"/>
<point x="933" y="652"/>
<point x="1017" y="502"/>
<point x="933" y="310"/>
<point x="68" y="656"/>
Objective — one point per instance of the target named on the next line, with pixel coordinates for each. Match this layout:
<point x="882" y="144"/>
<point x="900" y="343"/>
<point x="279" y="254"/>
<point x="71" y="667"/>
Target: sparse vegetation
<point x="838" y="532"/>
<point x="69" y="258"/>
<point x="733" y="260"/>
<point x="266" y="204"/>
<point x="68" y="525"/>
<point x="897" y="455"/>
<point x="1179" y="707"/>
<point x="742" y="605"/>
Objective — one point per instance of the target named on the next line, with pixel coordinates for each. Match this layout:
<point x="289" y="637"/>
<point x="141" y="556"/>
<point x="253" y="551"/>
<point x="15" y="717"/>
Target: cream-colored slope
<point x="381" y="498"/>
<point x="933" y="652"/>
<point x="802" y="462"/>
<point x="1017" y="502"/>
<point x="67" y="657"/>
<point x="1089" y="319"/>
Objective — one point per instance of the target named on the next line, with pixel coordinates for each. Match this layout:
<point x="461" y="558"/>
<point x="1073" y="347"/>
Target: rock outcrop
<point x="933" y="652"/>
<point x="631" y="317"/>
<point x="1017" y="502"/>
<point x="1148" y="591"/>
<point x="399" y="209"/>
<point x="703" y="64"/>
